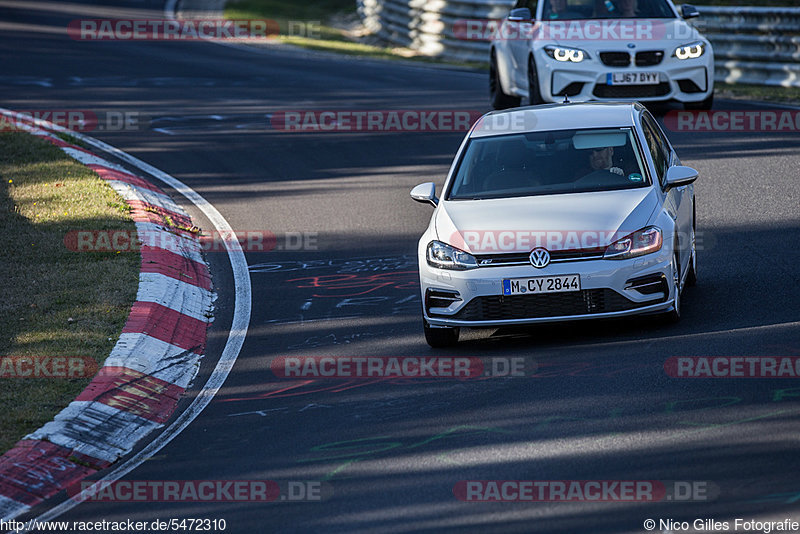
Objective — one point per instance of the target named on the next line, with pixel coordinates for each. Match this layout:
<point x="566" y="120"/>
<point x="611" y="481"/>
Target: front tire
<point x="674" y="315"/>
<point x="440" y="337"/>
<point x="691" y="277"/>
<point x="499" y="99"/>
<point x="534" y="92"/>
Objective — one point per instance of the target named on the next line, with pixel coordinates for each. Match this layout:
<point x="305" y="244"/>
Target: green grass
<point x="315" y="16"/>
<point x="55" y="302"/>
<point x="321" y="34"/>
<point x="291" y="10"/>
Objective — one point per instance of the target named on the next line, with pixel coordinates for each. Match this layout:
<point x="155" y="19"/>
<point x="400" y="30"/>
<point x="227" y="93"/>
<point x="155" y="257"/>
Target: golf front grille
<point x="586" y="302"/>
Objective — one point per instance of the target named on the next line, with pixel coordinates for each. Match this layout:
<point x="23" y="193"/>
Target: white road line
<point x="236" y="336"/>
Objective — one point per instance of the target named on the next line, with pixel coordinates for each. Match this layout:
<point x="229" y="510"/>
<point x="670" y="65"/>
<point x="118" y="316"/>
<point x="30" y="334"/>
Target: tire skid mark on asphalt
<point x="344" y="289"/>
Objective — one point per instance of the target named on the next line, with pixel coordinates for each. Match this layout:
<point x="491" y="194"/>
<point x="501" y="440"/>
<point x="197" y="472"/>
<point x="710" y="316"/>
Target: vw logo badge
<point x="540" y="258"/>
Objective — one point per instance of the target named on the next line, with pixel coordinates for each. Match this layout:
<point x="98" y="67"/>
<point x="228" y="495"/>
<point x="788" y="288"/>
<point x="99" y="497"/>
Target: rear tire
<point x="534" y="92"/>
<point x="703" y="105"/>
<point x="691" y="277"/>
<point x="498" y="99"/>
<point x="440" y="337"/>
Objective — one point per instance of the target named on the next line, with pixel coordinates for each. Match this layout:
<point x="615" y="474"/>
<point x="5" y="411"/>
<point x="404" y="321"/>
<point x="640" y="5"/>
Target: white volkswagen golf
<point x="604" y="50"/>
<point x="557" y="212"/>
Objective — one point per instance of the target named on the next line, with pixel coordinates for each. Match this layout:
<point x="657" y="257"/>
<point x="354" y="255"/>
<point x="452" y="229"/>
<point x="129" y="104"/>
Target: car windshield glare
<point x="606" y="9"/>
<point x="545" y="163"/>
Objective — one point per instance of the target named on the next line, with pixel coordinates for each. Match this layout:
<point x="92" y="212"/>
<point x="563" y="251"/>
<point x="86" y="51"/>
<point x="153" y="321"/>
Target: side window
<point x="520" y="3"/>
<point x="659" y="150"/>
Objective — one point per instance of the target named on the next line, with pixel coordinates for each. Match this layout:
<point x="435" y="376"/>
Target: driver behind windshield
<point x="602" y="159"/>
<point x="560" y="10"/>
<point x="609" y="9"/>
<point x="603" y="9"/>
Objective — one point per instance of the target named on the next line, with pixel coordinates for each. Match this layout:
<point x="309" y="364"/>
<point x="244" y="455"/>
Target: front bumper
<point x="606" y="292"/>
<point x="682" y="80"/>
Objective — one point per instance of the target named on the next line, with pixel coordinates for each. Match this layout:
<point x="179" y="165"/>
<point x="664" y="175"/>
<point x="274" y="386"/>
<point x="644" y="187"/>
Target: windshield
<point x="542" y="163"/>
<point x="606" y="9"/>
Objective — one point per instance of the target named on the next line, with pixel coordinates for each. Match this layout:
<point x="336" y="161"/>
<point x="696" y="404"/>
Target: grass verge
<point x="55" y="302"/>
<point x="321" y="25"/>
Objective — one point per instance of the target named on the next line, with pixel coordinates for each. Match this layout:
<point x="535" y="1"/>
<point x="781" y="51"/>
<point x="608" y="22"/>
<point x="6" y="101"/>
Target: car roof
<point x="567" y="116"/>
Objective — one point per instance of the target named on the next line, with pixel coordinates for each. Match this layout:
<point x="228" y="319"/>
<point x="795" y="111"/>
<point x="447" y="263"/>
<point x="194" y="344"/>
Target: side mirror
<point x="680" y="176"/>
<point x="425" y="193"/>
<point x="521" y="14"/>
<point x="688" y="11"/>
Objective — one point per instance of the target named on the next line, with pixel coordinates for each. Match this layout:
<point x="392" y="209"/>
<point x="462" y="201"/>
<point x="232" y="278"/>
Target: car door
<point x="678" y="201"/>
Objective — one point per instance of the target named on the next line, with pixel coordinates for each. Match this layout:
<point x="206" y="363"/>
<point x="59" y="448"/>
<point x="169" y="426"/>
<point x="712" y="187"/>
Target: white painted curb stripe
<point x="9" y="508"/>
<point x="151" y="234"/>
<point x="180" y="296"/>
<point x="95" y="429"/>
<point x="152" y="356"/>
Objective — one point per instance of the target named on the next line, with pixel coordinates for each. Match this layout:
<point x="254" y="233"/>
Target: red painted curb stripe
<point x="167" y="325"/>
<point x="107" y="173"/>
<point x="133" y="392"/>
<point x="35" y="470"/>
<point x="161" y="261"/>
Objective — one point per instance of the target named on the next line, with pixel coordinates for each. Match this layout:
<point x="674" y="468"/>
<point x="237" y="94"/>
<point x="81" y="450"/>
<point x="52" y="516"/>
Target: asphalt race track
<point x="388" y="455"/>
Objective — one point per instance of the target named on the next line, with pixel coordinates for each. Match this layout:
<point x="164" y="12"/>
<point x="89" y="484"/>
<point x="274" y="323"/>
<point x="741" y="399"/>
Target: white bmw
<point x="557" y="212"/>
<point x="603" y="50"/>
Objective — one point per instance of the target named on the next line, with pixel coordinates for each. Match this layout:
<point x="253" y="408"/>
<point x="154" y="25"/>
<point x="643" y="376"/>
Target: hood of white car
<point x="557" y="222"/>
<point x="612" y="34"/>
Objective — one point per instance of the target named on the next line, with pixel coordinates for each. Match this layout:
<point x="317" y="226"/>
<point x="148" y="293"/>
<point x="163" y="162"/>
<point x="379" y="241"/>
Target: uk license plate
<point x="632" y="78"/>
<point x="542" y="284"/>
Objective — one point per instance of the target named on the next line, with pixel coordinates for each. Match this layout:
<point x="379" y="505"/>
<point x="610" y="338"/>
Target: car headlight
<point x="644" y="241"/>
<point x="690" y="51"/>
<point x="444" y="256"/>
<point x="560" y="53"/>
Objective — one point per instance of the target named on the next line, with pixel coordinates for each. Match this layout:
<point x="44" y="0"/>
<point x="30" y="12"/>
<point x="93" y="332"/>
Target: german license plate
<point x="542" y="284"/>
<point x="632" y="78"/>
